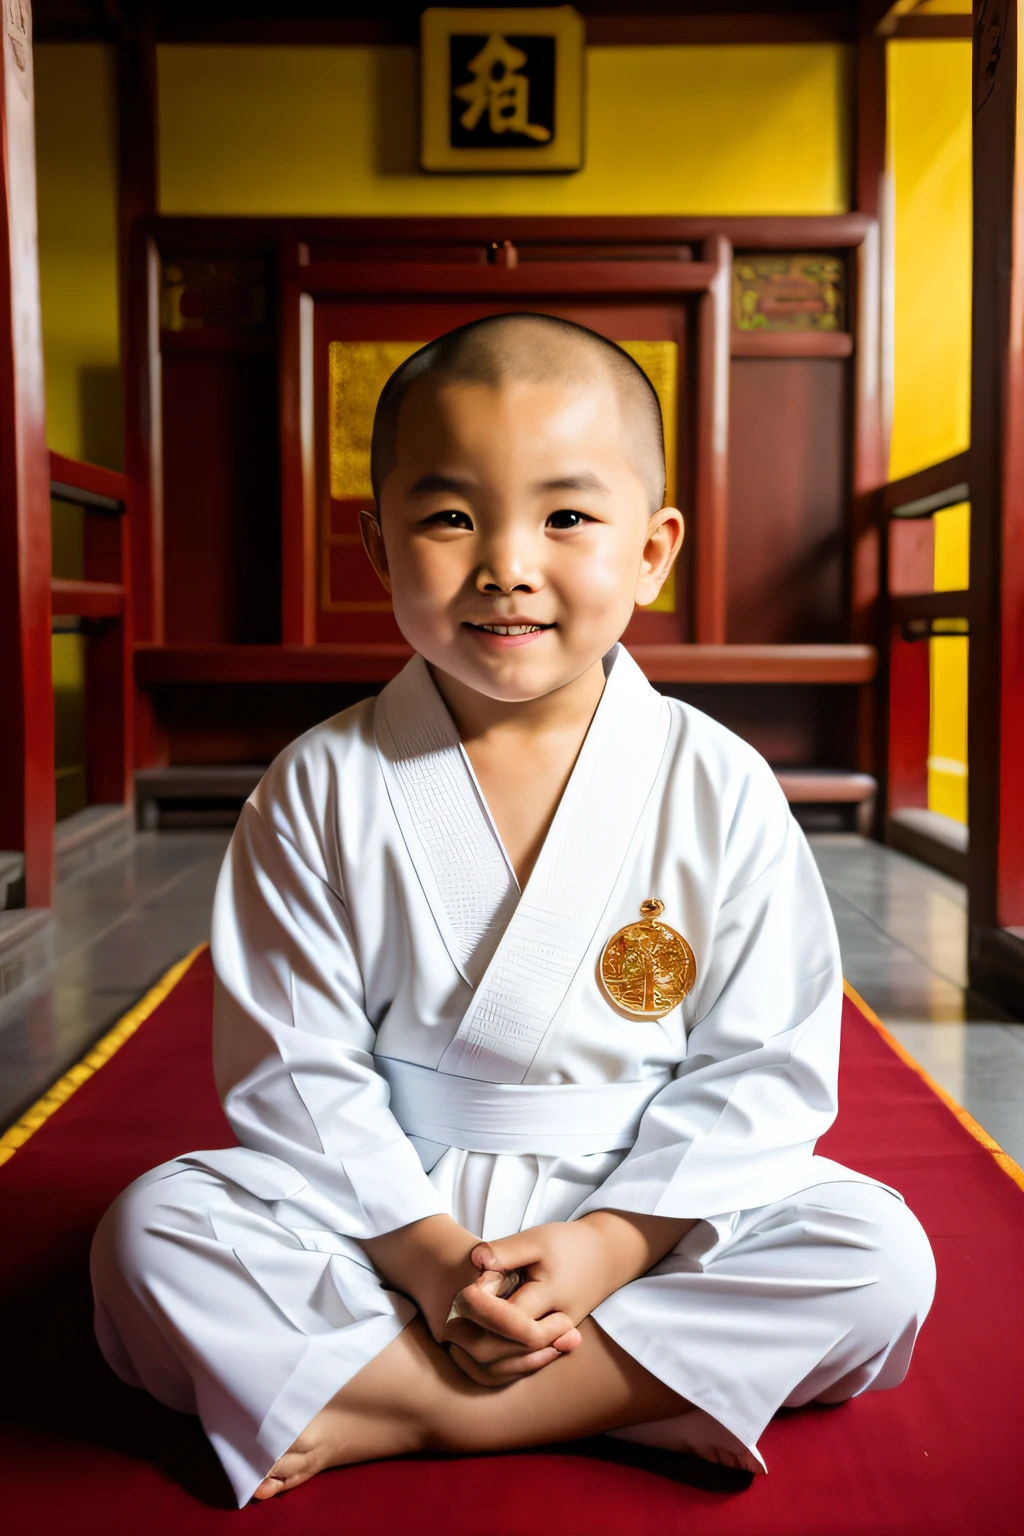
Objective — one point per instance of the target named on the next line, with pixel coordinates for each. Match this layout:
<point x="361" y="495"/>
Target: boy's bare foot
<point x="306" y="1457"/>
<point x="329" y="1441"/>
<point x="361" y="1422"/>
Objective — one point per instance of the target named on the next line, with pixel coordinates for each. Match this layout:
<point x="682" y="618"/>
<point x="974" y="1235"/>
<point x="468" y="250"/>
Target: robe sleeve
<point x="293" y="1048"/>
<point x="737" y="1125"/>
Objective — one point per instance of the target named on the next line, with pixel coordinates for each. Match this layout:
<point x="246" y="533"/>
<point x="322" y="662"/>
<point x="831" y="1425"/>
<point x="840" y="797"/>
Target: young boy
<point x="526" y="984"/>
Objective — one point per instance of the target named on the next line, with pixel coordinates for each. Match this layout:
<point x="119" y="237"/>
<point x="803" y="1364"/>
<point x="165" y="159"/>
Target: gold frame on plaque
<point x="562" y="151"/>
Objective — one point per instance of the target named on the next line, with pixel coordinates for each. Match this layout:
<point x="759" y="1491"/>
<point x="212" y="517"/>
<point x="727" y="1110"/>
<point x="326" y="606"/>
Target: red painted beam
<point x="87" y="599"/>
<point x="791" y="344"/>
<point x="757" y="663"/>
<point x="943" y="476"/>
<point x="652" y="279"/>
<point x="182" y="663"/>
<point x="88" y="477"/>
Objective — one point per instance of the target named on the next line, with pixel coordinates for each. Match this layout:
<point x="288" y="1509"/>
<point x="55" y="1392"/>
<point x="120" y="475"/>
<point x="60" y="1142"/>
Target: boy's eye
<point x="565" y="517"/>
<point x="449" y="519"/>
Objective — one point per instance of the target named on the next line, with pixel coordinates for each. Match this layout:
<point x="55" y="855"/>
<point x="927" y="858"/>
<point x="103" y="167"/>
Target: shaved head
<point x="535" y="349"/>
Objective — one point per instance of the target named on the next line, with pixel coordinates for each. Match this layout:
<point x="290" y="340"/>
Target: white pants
<point x="221" y="1302"/>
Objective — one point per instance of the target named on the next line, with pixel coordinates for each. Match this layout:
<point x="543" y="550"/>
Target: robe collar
<point x="531" y="945"/>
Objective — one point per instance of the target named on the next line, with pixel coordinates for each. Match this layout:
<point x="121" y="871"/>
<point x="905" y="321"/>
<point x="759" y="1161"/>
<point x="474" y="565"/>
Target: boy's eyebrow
<point x="437" y="481"/>
<point x="584" y="481"/>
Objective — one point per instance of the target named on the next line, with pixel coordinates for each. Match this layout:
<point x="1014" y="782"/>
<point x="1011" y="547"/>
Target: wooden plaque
<point x="502" y="90"/>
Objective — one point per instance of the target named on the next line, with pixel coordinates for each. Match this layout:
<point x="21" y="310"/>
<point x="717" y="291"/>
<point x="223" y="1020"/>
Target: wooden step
<point x="26" y="954"/>
<point x="931" y="837"/>
<point x="830" y="799"/>
<point x="12" y="880"/>
<point x="89" y="837"/>
<point x="204" y="795"/>
<point x="826" y="786"/>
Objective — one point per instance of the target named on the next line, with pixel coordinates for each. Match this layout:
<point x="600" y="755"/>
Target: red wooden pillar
<point x="872" y="369"/>
<point x="1010" y="533"/>
<point x="140" y="352"/>
<point x="298" y="473"/>
<point x="996" y="610"/>
<point x="711" y="492"/>
<point x="27" y="802"/>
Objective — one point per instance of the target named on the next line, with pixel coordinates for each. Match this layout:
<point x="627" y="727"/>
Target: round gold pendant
<point x="647" y="968"/>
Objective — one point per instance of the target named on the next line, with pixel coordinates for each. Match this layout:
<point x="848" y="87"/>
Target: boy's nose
<point x="486" y="583"/>
<point x="507" y="570"/>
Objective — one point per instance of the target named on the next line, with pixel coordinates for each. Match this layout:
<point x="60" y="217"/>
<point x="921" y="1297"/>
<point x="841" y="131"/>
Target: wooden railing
<point x="99" y="605"/>
<point x="913" y="612"/>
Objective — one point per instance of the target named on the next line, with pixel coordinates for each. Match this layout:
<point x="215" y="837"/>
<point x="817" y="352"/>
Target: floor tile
<point x="191" y="891"/>
<point x="136" y="951"/>
<point x="902" y="935"/>
<point x="923" y="912"/>
<point x="894" y="980"/>
<point x="59" y="1025"/>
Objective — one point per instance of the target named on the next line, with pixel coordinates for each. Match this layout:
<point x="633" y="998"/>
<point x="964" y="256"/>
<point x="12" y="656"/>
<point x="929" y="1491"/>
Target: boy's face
<point x="516" y="505"/>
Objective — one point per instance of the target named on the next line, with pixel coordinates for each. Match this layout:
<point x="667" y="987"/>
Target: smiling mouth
<point x="511" y="629"/>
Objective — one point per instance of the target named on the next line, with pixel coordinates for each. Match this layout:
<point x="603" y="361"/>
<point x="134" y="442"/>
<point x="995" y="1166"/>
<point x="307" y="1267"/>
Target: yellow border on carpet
<point x="967" y="1120"/>
<point x="90" y="1064"/>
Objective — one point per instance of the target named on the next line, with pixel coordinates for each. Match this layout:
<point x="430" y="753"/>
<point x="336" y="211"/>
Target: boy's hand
<point x="430" y="1262"/>
<point x="494" y="1359"/>
<point x="570" y="1267"/>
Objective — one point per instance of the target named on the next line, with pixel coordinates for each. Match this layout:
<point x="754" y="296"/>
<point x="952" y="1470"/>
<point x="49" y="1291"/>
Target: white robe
<point x="400" y="1033"/>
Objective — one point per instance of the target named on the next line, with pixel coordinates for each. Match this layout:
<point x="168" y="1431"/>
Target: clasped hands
<point x="494" y="1340"/>
<point x="569" y="1268"/>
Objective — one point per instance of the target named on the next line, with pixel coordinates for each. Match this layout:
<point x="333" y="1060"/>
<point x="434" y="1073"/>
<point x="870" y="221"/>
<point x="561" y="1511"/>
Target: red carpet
<point x="80" y="1453"/>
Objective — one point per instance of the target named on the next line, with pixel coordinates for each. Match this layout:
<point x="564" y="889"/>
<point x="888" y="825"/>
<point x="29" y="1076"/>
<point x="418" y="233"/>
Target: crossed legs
<point x="205" y="1299"/>
<point x="412" y="1397"/>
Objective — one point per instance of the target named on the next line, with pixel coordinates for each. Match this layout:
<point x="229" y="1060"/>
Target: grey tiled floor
<point x="118" y="928"/>
<point x="903" y="935"/>
<point x="902" y="930"/>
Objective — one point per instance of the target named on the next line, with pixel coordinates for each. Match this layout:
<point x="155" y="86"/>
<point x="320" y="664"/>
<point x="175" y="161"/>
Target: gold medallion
<point x="647" y="968"/>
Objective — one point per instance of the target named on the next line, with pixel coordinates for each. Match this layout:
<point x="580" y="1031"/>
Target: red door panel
<point x="351" y="606"/>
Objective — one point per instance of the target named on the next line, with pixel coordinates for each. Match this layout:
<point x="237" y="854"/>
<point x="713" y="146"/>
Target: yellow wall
<point x="947" y="749"/>
<point x="670" y="130"/>
<point x="930" y="159"/>
<point x="76" y="162"/>
<point x="76" y="149"/>
<point x="930" y="152"/>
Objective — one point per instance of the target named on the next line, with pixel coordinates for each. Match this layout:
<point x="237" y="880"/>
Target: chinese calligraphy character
<point x="499" y="91"/>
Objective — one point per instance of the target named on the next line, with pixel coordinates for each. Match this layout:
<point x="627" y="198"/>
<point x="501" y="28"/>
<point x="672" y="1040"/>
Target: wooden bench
<point x="831" y="799"/>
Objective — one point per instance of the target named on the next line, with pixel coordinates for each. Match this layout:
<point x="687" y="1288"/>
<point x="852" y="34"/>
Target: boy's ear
<point x="373" y="543"/>
<point x="664" y="541"/>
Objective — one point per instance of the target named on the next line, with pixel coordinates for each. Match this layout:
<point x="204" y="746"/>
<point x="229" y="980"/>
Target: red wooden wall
<point x="242" y="312"/>
<point x="788" y="499"/>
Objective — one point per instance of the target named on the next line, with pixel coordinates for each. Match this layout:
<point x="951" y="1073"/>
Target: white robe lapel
<point x="550" y="932"/>
<point x="447" y="829"/>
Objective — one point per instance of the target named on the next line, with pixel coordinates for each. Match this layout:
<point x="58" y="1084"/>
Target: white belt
<point x="547" y="1118"/>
